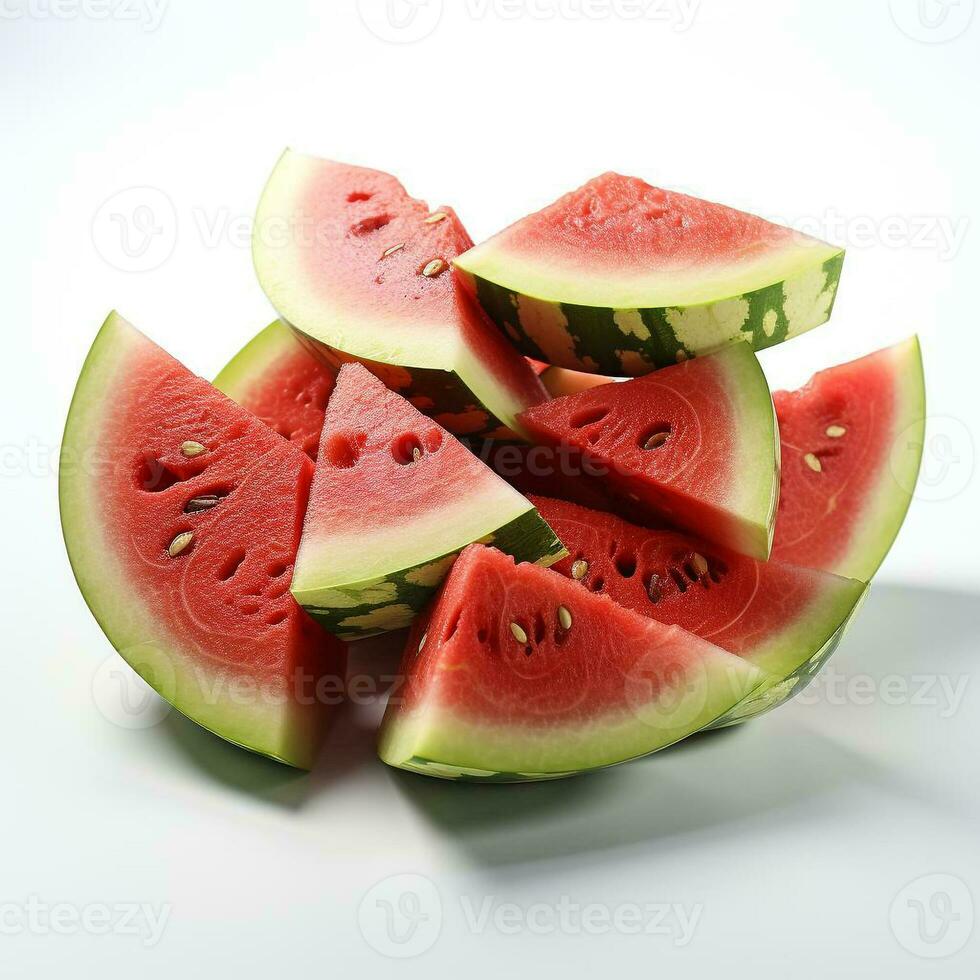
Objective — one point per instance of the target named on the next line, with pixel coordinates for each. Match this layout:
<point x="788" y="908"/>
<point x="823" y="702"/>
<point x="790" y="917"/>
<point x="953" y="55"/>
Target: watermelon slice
<point x="394" y="501"/>
<point x="349" y="259"/>
<point x="182" y="515"/>
<point x="694" y="444"/>
<point x="620" y="278"/>
<point x="786" y="620"/>
<point x="278" y="379"/>
<point x="852" y="446"/>
<point x="518" y="674"/>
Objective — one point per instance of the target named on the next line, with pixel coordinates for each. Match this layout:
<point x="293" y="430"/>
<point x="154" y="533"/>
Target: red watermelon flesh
<point x="516" y="673"/>
<point x="279" y="380"/>
<point x="772" y="613"/>
<point x="851" y="443"/>
<point x="623" y="226"/>
<point x="182" y="525"/>
<point x="694" y="444"/>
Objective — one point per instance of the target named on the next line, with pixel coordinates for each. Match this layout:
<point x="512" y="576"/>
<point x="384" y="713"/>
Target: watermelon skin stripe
<point x="396" y="599"/>
<point x="633" y="342"/>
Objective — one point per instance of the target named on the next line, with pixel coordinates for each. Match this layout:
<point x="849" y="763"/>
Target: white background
<point x="794" y="837"/>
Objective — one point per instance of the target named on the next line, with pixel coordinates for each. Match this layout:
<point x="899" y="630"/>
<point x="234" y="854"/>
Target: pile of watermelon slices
<point x="438" y="438"/>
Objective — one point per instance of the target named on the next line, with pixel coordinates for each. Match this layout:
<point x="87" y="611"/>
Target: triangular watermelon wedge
<point x="394" y="501"/>
<point x="182" y="514"/>
<point x="362" y="269"/>
<point x="852" y="443"/>
<point x="694" y="444"/>
<point x="516" y="673"/>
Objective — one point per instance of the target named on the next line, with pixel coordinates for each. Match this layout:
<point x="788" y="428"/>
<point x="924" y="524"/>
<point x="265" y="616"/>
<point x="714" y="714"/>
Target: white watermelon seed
<point x="416" y="454"/>
<point x="392" y="250"/>
<point x="813" y="463"/>
<point x="579" y="570"/>
<point x="436" y="217"/>
<point x="836" y="431"/>
<point x="180" y="544"/>
<point x="700" y="564"/>
<point x="192" y="449"/>
<point x="518" y="633"/>
<point x="434" y="268"/>
<point x="425" y="636"/>
<point x="565" y="618"/>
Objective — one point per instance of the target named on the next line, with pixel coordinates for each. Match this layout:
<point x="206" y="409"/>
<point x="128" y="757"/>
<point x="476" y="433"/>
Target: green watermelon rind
<point x="356" y="610"/>
<point x="283" y="732"/>
<point x="432" y="743"/>
<point x="629" y="341"/>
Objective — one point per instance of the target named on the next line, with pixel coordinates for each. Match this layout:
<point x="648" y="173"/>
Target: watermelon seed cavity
<point x="407" y="449"/>
<point x="435" y="268"/>
<point x="180" y="544"/>
<point x="656" y="438"/>
<point x="588" y="417"/>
